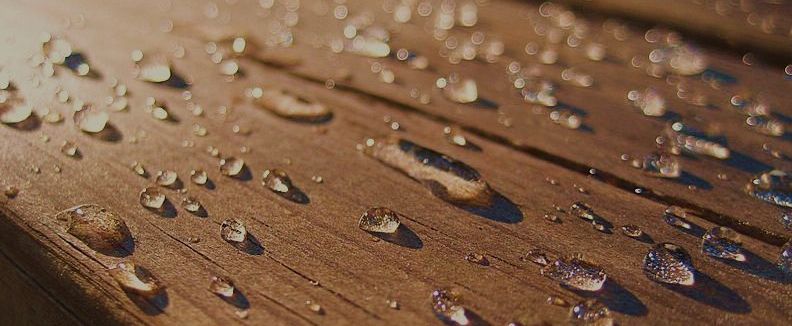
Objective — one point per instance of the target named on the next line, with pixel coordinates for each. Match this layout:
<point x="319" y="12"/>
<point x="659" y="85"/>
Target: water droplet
<point x="722" y="242"/>
<point x="69" y="149"/>
<point x="91" y="120"/>
<point x="669" y="263"/>
<point x="536" y="256"/>
<point x="231" y="166"/>
<point x="786" y="219"/>
<point x="233" y="230"/>
<point x="291" y="106"/>
<point x="785" y="259"/>
<point x="576" y="273"/>
<point x="455" y="136"/>
<point x="477" y="258"/>
<point x="314" y="307"/>
<point x="191" y="204"/>
<point x="459" y="91"/>
<point x="550" y="217"/>
<point x="676" y="216"/>
<point x="98" y="228"/>
<point x="138" y="168"/>
<point x="566" y="118"/>
<point x="199" y="177"/>
<point x="222" y="286"/>
<point x="151" y="197"/>
<point x="591" y="312"/>
<point x="557" y="301"/>
<point x="158" y="110"/>
<point x="447" y="178"/>
<point x="136" y="280"/>
<point x="11" y="191"/>
<point x="153" y="69"/>
<point x="393" y="304"/>
<point x="682" y="137"/>
<point x="167" y="178"/>
<point x="661" y="165"/>
<point x="583" y="211"/>
<point x="11" y="111"/>
<point x="766" y="125"/>
<point x="379" y="219"/>
<point x="649" y="101"/>
<point x="773" y="186"/>
<point x="317" y="179"/>
<point x="448" y="308"/>
<point x="632" y="231"/>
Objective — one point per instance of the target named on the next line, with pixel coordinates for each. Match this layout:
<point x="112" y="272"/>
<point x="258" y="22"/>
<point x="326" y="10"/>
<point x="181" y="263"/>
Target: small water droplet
<point x="136" y="280"/>
<point x="557" y="301"/>
<point x="280" y="183"/>
<point x="91" y="120"/>
<point x="576" y="273"/>
<point x="98" y="228"/>
<point x="222" y="286"/>
<point x="199" y="177"/>
<point x="682" y="137"/>
<point x="582" y="210"/>
<point x="167" y="178"/>
<point x="379" y="219"/>
<point x="233" y="230"/>
<point x="477" y="258"/>
<point x="722" y="242"/>
<point x="191" y="204"/>
<point x="138" y="168"/>
<point x="661" y="165"/>
<point x="550" y="217"/>
<point x="393" y="304"/>
<point x="591" y="312"/>
<point x="536" y="256"/>
<point x="231" y="166"/>
<point x="459" y="91"/>
<point x="786" y="219"/>
<point x="773" y="186"/>
<point x="447" y="307"/>
<point x="317" y="179"/>
<point x="151" y="197"/>
<point x="69" y="149"/>
<point x="314" y="307"/>
<point x="650" y="102"/>
<point x="669" y="263"/>
<point x="785" y="258"/>
<point x="766" y="125"/>
<point x="676" y="216"/>
<point x="291" y="106"/>
<point x="11" y="191"/>
<point x="632" y="231"/>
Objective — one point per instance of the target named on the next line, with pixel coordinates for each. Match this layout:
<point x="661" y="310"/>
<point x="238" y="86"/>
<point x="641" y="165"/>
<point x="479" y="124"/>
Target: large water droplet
<point x="379" y="219"/>
<point x="12" y="112"/>
<point x="722" y="242"/>
<point x="448" y="308"/>
<point x="137" y="280"/>
<point x="231" y="166"/>
<point x="576" y="273"/>
<point x="447" y="178"/>
<point x="773" y="186"/>
<point x="98" y="228"/>
<point x="290" y="106"/>
<point x="669" y="263"/>
<point x="167" y="178"/>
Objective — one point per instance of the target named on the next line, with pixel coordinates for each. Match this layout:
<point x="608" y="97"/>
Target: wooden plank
<point x="320" y="241"/>
<point x="703" y="188"/>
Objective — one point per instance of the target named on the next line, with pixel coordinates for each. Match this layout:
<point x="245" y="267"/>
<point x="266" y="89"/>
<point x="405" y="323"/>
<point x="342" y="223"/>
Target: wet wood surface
<point x="315" y="251"/>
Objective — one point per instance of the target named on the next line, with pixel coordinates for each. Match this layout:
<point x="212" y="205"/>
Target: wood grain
<point x="320" y="242"/>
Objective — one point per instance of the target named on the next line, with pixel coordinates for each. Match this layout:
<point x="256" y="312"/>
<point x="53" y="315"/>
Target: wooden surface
<point x="59" y="278"/>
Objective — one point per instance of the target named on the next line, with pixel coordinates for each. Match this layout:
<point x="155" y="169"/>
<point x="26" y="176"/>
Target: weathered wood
<point x="320" y="241"/>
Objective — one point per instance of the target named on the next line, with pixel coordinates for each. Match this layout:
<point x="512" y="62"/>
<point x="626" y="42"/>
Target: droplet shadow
<point x="33" y="122"/>
<point x="486" y="103"/>
<point x="176" y="81"/>
<point x="501" y="209"/>
<point x="243" y="175"/>
<point x="167" y="210"/>
<point x="689" y="179"/>
<point x="616" y="298"/>
<point x="76" y="59"/>
<point x="109" y="134"/>
<point x="250" y="246"/>
<point x="125" y="248"/>
<point x="150" y="306"/>
<point x="404" y="236"/>
<point x="757" y="265"/>
<point x="295" y="195"/>
<point x="238" y="300"/>
<point x="713" y="293"/>
<point x="746" y="163"/>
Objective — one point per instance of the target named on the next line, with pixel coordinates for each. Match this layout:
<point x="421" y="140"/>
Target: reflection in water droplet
<point x="448" y="308"/>
<point x="722" y="242"/>
<point x="291" y="106"/>
<point x="379" y="219"/>
<point x="773" y="186"/>
<point x="576" y="273"/>
<point x="136" y="280"/>
<point x="233" y="230"/>
<point x="98" y="228"/>
<point x="669" y="263"/>
<point x="447" y="178"/>
<point x="152" y="198"/>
